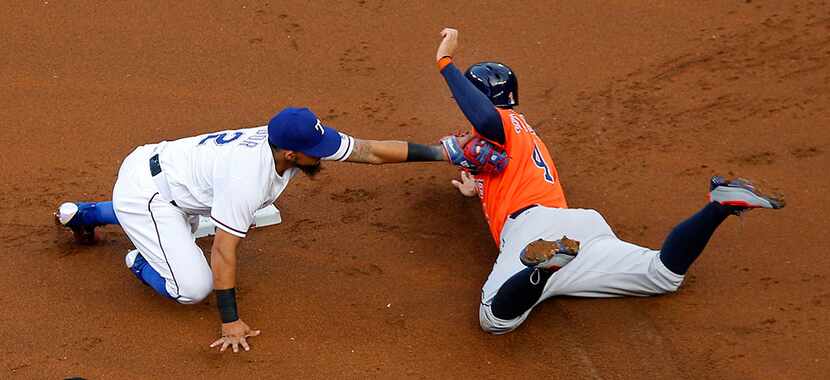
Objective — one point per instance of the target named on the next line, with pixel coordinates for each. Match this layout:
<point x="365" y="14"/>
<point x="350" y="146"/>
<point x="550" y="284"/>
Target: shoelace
<point x="537" y="275"/>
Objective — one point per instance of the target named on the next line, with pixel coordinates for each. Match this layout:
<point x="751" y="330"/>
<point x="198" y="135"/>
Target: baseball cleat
<point x="131" y="258"/>
<point x="741" y="193"/>
<point x="542" y="254"/>
<point x="69" y="216"/>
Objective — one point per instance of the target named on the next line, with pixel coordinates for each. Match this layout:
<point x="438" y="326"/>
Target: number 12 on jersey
<point x="540" y="163"/>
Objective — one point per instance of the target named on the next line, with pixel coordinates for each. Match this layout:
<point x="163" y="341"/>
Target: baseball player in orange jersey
<point x="547" y="249"/>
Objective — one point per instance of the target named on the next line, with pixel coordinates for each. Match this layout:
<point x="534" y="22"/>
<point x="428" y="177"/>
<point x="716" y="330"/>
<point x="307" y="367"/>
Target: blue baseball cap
<point x="298" y="129"/>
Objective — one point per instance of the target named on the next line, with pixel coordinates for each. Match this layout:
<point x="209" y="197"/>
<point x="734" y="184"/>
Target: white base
<point x="263" y="217"/>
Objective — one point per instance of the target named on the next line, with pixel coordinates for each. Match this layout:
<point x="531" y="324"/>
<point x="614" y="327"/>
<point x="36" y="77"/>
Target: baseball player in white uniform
<point x="163" y="188"/>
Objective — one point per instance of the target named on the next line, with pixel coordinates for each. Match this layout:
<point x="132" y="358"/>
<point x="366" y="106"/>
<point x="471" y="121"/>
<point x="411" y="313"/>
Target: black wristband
<point x="226" y="302"/>
<point x="420" y="152"/>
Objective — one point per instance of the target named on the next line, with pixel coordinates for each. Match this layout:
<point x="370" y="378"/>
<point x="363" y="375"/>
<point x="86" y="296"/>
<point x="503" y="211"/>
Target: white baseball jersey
<point x="228" y="175"/>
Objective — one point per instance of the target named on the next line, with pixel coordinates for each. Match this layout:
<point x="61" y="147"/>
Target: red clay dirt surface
<point x="376" y="271"/>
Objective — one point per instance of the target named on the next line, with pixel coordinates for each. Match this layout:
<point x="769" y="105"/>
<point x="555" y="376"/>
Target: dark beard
<point x="310" y="170"/>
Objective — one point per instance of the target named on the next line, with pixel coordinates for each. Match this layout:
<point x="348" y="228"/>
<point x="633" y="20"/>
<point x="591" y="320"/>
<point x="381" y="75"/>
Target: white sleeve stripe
<point x="344" y="150"/>
<point x="228" y="229"/>
<point x="349" y="148"/>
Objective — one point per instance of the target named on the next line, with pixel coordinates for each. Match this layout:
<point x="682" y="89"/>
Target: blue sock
<point x="686" y="242"/>
<point x="519" y="293"/>
<point x="96" y="213"/>
<point x="145" y="272"/>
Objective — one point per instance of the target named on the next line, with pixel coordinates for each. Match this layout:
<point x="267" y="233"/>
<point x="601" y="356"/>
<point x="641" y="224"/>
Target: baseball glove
<point x="475" y="154"/>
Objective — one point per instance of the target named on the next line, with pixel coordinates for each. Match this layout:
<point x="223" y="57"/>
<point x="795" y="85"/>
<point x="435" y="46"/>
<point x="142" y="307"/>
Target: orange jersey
<point x="530" y="177"/>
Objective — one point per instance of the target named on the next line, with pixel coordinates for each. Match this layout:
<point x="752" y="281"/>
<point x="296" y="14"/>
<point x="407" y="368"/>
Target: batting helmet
<point x="495" y="80"/>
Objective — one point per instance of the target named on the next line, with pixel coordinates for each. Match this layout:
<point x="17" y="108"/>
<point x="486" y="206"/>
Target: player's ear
<point x="289" y="155"/>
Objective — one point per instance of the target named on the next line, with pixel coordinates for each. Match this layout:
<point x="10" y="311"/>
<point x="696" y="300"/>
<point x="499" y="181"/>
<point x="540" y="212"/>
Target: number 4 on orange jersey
<point x="540" y="163"/>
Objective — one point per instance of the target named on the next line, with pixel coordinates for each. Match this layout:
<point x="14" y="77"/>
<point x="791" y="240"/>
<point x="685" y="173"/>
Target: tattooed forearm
<point x="378" y="152"/>
<point x="361" y="152"/>
<point x="387" y="152"/>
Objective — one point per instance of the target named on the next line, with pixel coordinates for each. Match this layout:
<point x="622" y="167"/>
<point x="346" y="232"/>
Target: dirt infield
<point x="376" y="271"/>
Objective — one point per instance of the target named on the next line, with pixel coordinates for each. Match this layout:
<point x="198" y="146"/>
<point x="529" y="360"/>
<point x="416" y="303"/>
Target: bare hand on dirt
<point x="234" y="334"/>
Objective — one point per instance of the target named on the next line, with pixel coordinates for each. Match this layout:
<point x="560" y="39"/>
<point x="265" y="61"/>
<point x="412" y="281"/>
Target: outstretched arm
<point x="387" y="152"/>
<point x="476" y="106"/>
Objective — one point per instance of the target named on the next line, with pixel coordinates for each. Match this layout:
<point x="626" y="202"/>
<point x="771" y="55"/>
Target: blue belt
<point x="155" y="169"/>
<point x="518" y="212"/>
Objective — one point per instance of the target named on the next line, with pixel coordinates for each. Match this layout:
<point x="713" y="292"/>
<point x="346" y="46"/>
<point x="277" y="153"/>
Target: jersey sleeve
<point x="239" y="190"/>
<point x="510" y="130"/>
<point x="478" y="109"/>
<point x="345" y="150"/>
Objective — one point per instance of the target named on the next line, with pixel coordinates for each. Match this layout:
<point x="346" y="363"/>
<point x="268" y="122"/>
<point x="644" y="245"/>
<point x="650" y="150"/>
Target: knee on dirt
<point x="494" y="325"/>
<point x="195" y="288"/>
<point x="671" y="288"/>
<point x="663" y="280"/>
<point x="665" y="286"/>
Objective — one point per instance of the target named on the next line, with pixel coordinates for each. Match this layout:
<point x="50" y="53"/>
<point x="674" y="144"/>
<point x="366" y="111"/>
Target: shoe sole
<point x="543" y="257"/>
<point x="66" y="212"/>
<point x="535" y="259"/>
<point x="743" y="197"/>
<point x="129" y="259"/>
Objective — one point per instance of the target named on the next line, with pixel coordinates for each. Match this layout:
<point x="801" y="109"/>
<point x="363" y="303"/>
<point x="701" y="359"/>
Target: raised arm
<point x="388" y="151"/>
<point x="478" y="109"/>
